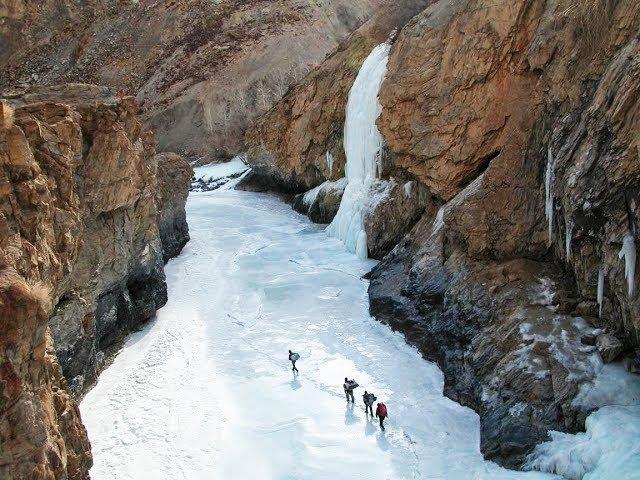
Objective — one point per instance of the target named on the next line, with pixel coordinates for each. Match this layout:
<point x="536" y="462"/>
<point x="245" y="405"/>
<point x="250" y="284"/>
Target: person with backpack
<point x="349" y="386"/>
<point x="381" y="413"/>
<point x="293" y="358"/>
<point x="368" y="399"/>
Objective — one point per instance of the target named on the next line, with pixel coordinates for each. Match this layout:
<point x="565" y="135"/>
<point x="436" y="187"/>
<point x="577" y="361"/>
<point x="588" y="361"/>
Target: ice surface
<point x="217" y="171"/>
<point x="608" y="450"/>
<point x="206" y="390"/>
<point x="362" y="147"/>
<point x="628" y="252"/>
<point x="548" y="196"/>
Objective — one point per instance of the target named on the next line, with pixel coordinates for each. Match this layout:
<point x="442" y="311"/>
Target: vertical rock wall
<point x="81" y="262"/>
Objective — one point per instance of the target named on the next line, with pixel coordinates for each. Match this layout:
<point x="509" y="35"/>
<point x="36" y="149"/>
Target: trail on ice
<point x="205" y="391"/>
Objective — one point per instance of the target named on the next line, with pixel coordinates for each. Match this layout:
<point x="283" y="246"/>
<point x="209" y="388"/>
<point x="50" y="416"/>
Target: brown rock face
<point x="484" y="104"/>
<point x="198" y="68"/>
<point x="174" y="180"/>
<point x="80" y="262"/>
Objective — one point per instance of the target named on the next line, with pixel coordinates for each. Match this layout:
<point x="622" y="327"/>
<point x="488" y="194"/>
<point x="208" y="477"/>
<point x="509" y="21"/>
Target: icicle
<point x="548" y="185"/>
<point x="362" y="146"/>
<point x="600" y="292"/>
<point x="628" y="252"/>
<point x="567" y="240"/>
<point x="329" y="162"/>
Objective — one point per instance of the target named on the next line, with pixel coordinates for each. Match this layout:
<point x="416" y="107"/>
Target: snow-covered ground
<point x="206" y="391"/>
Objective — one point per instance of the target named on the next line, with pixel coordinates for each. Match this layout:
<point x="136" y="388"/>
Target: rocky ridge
<point x="85" y="212"/>
<point x="513" y="125"/>
<point x="199" y="69"/>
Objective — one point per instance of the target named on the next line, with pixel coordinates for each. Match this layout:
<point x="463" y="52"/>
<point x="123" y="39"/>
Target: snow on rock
<point x="206" y="391"/>
<point x="613" y="385"/>
<point x="363" y="148"/>
<point x="609" y="449"/>
<point x="628" y="252"/>
<point x="210" y="177"/>
<point x="438" y="223"/>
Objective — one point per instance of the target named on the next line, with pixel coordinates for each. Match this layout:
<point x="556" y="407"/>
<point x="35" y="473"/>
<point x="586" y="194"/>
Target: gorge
<point x="473" y="169"/>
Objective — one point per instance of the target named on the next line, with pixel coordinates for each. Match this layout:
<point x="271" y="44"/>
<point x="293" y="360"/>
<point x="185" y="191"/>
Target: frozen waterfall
<point x="362" y="145"/>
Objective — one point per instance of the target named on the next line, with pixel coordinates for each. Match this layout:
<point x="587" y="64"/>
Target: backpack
<point x="351" y="384"/>
<point x="294" y="357"/>
<point x="382" y="410"/>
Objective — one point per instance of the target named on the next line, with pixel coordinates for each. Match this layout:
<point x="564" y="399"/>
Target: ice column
<point x="362" y="146"/>
<point x="628" y="252"/>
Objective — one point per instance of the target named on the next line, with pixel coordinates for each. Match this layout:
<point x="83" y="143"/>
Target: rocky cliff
<point x="507" y="234"/>
<point x="199" y="69"/>
<point x="81" y="261"/>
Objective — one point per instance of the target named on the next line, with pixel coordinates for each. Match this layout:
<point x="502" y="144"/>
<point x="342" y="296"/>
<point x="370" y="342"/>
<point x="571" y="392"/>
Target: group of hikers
<point x="349" y="386"/>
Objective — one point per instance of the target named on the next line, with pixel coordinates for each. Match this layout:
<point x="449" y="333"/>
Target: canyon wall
<point x="512" y="175"/>
<point x="198" y="68"/>
<point x="84" y="216"/>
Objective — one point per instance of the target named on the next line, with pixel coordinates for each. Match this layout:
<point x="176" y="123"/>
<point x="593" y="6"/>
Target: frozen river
<point x="206" y="391"/>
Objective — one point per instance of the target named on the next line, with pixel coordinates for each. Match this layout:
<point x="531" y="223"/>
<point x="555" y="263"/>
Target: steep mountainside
<point x="81" y="261"/>
<point x="199" y="68"/>
<point x="494" y="113"/>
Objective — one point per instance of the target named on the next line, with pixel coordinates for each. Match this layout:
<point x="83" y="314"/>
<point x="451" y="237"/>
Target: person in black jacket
<point x="293" y="357"/>
<point x="368" y="399"/>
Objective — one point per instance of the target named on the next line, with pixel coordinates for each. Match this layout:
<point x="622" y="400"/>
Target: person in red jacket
<point x="381" y="413"/>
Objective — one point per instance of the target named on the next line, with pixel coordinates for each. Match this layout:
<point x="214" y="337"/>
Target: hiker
<point x="368" y="399"/>
<point x="293" y="358"/>
<point x="381" y="413"/>
<point x="349" y="386"/>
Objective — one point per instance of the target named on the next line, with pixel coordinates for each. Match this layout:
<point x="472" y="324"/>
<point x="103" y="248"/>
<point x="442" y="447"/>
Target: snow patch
<point x="438" y="223"/>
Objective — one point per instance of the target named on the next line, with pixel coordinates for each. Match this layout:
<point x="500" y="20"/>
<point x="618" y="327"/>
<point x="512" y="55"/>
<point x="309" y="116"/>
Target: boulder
<point x="609" y="347"/>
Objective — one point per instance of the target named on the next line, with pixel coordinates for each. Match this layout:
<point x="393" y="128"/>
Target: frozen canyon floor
<point x="205" y="391"/>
